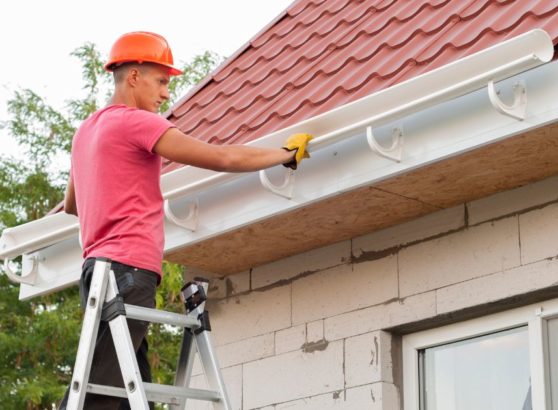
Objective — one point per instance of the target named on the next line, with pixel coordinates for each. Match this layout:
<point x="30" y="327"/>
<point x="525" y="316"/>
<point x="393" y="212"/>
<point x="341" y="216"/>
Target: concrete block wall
<point x="321" y="330"/>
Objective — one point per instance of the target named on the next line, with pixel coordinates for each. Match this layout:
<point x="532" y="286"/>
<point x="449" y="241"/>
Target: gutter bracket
<point x="285" y="189"/>
<point x="517" y="108"/>
<point x="28" y="278"/>
<point x="190" y="222"/>
<point x="394" y="152"/>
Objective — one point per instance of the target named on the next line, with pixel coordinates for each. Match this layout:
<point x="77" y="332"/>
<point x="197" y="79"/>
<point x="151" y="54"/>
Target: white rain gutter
<point x="200" y="204"/>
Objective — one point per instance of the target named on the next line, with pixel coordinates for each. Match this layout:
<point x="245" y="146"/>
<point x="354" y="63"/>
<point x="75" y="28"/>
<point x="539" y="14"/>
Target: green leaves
<point x="194" y="72"/>
<point x="93" y="73"/>
<point x="26" y="193"/>
<point x="97" y="83"/>
<point x="38" y="341"/>
<point x="41" y="129"/>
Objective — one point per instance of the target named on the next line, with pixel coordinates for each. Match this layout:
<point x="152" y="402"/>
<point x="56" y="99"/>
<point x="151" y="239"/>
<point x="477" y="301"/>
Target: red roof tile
<point x="321" y="54"/>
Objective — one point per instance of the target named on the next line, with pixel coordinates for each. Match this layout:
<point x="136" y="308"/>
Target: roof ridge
<point x="301" y="23"/>
<point x="292" y="8"/>
<point x="308" y="23"/>
<point x="258" y="60"/>
<point x="289" y="46"/>
<point x="194" y="90"/>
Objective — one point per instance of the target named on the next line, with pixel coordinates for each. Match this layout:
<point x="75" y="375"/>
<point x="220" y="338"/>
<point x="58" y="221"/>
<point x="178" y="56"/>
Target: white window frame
<point x="535" y="317"/>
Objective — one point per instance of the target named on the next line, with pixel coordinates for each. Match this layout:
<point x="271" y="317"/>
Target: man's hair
<point x="119" y="72"/>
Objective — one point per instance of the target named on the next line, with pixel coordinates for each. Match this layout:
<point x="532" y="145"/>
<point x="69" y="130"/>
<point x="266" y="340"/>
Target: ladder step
<point x="161" y="316"/>
<point x="159" y="393"/>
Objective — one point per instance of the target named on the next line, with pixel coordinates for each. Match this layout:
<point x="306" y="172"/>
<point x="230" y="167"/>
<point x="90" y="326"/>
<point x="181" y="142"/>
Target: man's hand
<point x="299" y="143"/>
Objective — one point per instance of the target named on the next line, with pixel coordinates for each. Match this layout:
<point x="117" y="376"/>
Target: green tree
<point x="38" y="338"/>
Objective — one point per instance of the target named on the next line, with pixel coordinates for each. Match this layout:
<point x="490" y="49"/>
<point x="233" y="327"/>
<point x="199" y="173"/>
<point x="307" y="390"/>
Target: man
<point x="114" y="187"/>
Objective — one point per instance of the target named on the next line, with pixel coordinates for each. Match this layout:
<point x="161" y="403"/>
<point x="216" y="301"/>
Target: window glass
<point x="483" y="373"/>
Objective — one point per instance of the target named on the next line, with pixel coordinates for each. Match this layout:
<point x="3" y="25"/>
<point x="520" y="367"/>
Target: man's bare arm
<point x="182" y="148"/>
<point x="70" y="206"/>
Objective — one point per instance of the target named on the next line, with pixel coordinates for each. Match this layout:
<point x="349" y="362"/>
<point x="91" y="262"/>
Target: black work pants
<point x="137" y="287"/>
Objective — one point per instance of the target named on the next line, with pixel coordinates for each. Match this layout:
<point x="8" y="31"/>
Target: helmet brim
<point x="173" y="71"/>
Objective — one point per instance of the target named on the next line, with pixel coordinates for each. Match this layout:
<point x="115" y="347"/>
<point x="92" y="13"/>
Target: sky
<point x="38" y="36"/>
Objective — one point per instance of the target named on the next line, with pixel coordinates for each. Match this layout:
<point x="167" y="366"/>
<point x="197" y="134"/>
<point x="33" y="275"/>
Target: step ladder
<point x="104" y="303"/>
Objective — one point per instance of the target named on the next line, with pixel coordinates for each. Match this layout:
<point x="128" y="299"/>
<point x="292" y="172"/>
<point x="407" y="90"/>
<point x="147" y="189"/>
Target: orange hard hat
<point x="141" y="46"/>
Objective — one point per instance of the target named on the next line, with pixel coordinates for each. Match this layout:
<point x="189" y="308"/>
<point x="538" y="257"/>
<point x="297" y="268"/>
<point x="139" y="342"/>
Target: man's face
<point x="152" y="87"/>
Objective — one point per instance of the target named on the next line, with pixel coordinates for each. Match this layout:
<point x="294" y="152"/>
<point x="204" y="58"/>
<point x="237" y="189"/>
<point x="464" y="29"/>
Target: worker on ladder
<point x="114" y="187"/>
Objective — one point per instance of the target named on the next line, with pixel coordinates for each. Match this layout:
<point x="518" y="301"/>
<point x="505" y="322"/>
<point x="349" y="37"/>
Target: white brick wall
<point x="314" y="331"/>
<point x="539" y="234"/>
<point x="344" y="288"/>
<point x="290" y="339"/>
<point x="515" y="200"/>
<point x="293" y="375"/>
<point x="231" y="285"/>
<point x="314" y="260"/>
<point x="474" y="252"/>
<point x="233" y="381"/>
<point x="407" y="310"/>
<point x="427" y="226"/>
<point x="309" y="332"/>
<point x="497" y="286"/>
<point x="257" y="313"/>
<point x="246" y="350"/>
<point x="368" y="359"/>
<point x="378" y="396"/>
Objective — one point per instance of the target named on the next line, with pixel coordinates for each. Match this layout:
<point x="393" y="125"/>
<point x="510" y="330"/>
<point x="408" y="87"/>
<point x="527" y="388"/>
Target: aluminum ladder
<point x="196" y="334"/>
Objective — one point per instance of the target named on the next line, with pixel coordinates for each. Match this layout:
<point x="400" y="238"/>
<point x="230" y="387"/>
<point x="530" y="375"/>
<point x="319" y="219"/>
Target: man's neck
<point x="121" y="98"/>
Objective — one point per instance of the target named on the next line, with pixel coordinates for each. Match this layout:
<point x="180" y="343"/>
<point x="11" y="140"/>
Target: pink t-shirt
<point x="116" y="178"/>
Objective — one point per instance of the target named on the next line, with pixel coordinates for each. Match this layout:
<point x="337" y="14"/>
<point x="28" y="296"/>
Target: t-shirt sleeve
<point x="146" y="128"/>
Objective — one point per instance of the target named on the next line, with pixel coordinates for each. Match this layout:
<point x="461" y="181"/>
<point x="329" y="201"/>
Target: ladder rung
<point x="158" y="392"/>
<point x="161" y="316"/>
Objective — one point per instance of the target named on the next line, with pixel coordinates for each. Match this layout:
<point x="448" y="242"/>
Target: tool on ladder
<point x="104" y="303"/>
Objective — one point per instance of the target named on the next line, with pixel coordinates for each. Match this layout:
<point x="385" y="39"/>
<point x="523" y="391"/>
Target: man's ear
<point x="133" y="76"/>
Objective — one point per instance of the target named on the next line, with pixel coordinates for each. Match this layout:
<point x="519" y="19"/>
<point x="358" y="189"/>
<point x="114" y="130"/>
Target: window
<point x="552" y="343"/>
<point x="503" y="361"/>
<point x="489" y="372"/>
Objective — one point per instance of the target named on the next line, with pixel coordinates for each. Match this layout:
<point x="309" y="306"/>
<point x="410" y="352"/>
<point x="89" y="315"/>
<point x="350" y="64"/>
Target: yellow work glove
<point x="297" y="142"/>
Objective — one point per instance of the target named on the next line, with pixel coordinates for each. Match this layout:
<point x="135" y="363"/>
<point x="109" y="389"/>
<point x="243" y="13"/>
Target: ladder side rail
<point x="88" y="337"/>
<point x="125" y="353"/>
<point x="211" y="369"/>
<point x="206" y="351"/>
<point x="185" y="365"/>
